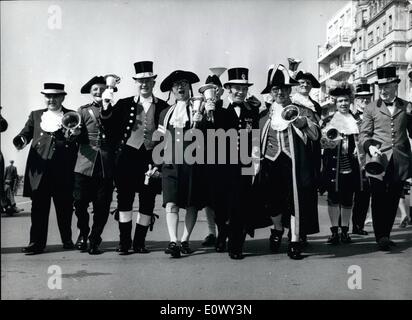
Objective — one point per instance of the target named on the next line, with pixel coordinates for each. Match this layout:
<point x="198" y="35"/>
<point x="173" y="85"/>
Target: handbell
<point x="218" y="70"/>
<point x="333" y="134"/>
<point x="376" y="165"/>
<point x="71" y="120"/>
<point x="112" y="80"/>
<point x="290" y="113"/>
<point x="197" y="103"/>
<point x="293" y="64"/>
<point x="209" y="91"/>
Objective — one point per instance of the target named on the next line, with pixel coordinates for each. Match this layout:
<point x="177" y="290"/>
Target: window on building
<point x="378" y="35"/>
<point x="384" y="58"/>
<point x="370" y="39"/>
<point x="384" y="28"/>
<point x="410" y="19"/>
<point x="390" y="54"/>
<point x="369" y="66"/>
<point x="377" y="62"/>
<point x="360" y="71"/>
<point x="360" y="44"/>
<point x="390" y="23"/>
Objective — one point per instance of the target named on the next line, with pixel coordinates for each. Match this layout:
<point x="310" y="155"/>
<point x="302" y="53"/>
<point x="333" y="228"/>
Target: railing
<point x="323" y="50"/>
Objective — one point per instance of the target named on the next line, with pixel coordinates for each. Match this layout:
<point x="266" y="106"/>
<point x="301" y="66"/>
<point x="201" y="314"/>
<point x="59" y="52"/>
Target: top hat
<point x="95" y="80"/>
<point x="280" y="78"/>
<point x="363" y="89"/>
<point x="175" y="76"/>
<point x="144" y="69"/>
<point x="387" y="75"/>
<point x="302" y="75"/>
<point x="343" y="89"/>
<point x="238" y="76"/>
<point x="53" y="88"/>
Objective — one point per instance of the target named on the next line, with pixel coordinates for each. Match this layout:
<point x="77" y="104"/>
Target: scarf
<point x="179" y="116"/>
<point x="302" y="100"/>
<point x="344" y="123"/>
<point x="51" y="121"/>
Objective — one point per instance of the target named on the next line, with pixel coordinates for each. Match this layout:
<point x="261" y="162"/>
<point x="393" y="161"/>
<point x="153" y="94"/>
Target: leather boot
<point x="125" y="243"/>
<point x="334" y="238"/>
<point x="295" y="251"/>
<point x="223" y="232"/>
<point x="344" y="236"/>
<point x="275" y="240"/>
<point x="139" y="239"/>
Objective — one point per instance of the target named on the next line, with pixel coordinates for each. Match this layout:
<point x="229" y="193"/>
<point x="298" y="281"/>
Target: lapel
<point x="382" y="108"/>
<point x="399" y="107"/>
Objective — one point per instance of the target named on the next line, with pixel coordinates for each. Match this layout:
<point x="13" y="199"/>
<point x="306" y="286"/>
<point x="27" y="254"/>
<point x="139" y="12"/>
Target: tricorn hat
<point x="95" y="80"/>
<point x="281" y="77"/>
<point x="175" y="76"/>
<point x="387" y="75"/>
<point x="238" y="76"/>
<point x="53" y="88"/>
<point x="302" y="75"/>
<point x="363" y="89"/>
<point x="144" y="69"/>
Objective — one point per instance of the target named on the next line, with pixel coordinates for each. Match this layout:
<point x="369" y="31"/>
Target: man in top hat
<point x="49" y="168"/>
<point x="93" y="177"/>
<point x="286" y="180"/>
<point x="384" y="136"/>
<point x="239" y="116"/>
<point x="363" y="97"/>
<point x="10" y="182"/>
<point x="131" y="122"/>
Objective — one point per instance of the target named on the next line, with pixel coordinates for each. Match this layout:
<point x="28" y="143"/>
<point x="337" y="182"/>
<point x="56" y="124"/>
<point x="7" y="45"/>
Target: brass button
<point x="127" y="128"/>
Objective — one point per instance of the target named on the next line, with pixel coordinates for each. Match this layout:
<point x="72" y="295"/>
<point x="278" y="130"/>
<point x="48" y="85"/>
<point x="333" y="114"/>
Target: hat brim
<point x="385" y="81"/>
<point x="144" y="75"/>
<point x="207" y="86"/>
<point x="237" y="82"/>
<point x="175" y="76"/>
<point x="53" y="91"/>
<point x="363" y="94"/>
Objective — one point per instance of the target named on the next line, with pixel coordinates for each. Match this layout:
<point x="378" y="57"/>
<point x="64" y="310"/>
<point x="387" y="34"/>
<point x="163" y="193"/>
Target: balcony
<point x="335" y="47"/>
<point x="339" y="73"/>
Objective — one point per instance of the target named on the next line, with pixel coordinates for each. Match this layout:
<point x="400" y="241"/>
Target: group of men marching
<point x="114" y="144"/>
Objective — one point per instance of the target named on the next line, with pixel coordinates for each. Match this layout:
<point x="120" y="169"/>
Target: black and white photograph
<point x="206" y="155"/>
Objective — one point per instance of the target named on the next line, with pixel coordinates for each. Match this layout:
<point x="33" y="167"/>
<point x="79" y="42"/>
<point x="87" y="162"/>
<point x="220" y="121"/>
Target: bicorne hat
<point x="281" y="78"/>
<point x="53" y="88"/>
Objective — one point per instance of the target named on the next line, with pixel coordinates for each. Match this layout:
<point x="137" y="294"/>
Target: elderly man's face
<point x="145" y="86"/>
<point x="280" y="94"/>
<point x="96" y="91"/>
<point x="181" y="90"/>
<point x="238" y="92"/>
<point x="343" y="104"/>
<point x="388" y="91"/>
<point x="53" y="101"/>
<point x="362" y="102"/>
<point x="304" y="87"/>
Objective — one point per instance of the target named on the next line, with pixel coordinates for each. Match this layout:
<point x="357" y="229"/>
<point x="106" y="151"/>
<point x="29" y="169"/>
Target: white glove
<point x="209" y="106"/>
<point x="374" y="150"/>
<point x="107" y="98"/>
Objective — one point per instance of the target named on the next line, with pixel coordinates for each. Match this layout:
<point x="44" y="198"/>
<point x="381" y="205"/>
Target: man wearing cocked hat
<point x="93" y="178"/>
<point x="49" y="168"/>
<point x="132" y="121"/>
<point x="384" y="134"/>
<point x="286" y="179"/>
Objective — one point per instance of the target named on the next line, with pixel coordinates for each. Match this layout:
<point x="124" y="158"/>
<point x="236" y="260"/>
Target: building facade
<point x="380" y="34"/>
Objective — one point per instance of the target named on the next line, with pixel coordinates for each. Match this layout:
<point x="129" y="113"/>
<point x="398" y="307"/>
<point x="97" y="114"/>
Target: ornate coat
<point x="47" y="149"/>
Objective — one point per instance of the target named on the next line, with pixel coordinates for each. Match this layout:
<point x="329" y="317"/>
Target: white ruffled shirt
<point x="179" y="116"/>
<point x="344" y="123"/>
<point x="51" y="121"/>
<point x="277" y="122"/>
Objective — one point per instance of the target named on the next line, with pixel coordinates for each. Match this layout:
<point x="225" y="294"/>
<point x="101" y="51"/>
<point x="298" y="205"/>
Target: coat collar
<point x="399" y="107"/>
<point x="227" y="103"/>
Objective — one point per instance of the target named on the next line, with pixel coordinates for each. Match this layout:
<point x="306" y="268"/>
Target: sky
<point x="91" y="38"/>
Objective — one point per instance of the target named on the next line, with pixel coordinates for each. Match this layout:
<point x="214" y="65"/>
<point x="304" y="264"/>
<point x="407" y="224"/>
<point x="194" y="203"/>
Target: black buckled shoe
<point x="334" y="237"/>
<point x="137" y="249"/>
<point x="68" y="245"/>
<point x="81" y="243"/>
<point x="185" y="248"/>
<point x="139" y="239"/>
<point x="31" y="249"/>
<point x="384" y="244"/>
<point x="122" y="249"/>
<point x="94" y="249"/>
<point x="173" y="249"/>
<point x="209" y="241"/>
<point x="275" y="240"/>
<point x="294" y="251"/>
